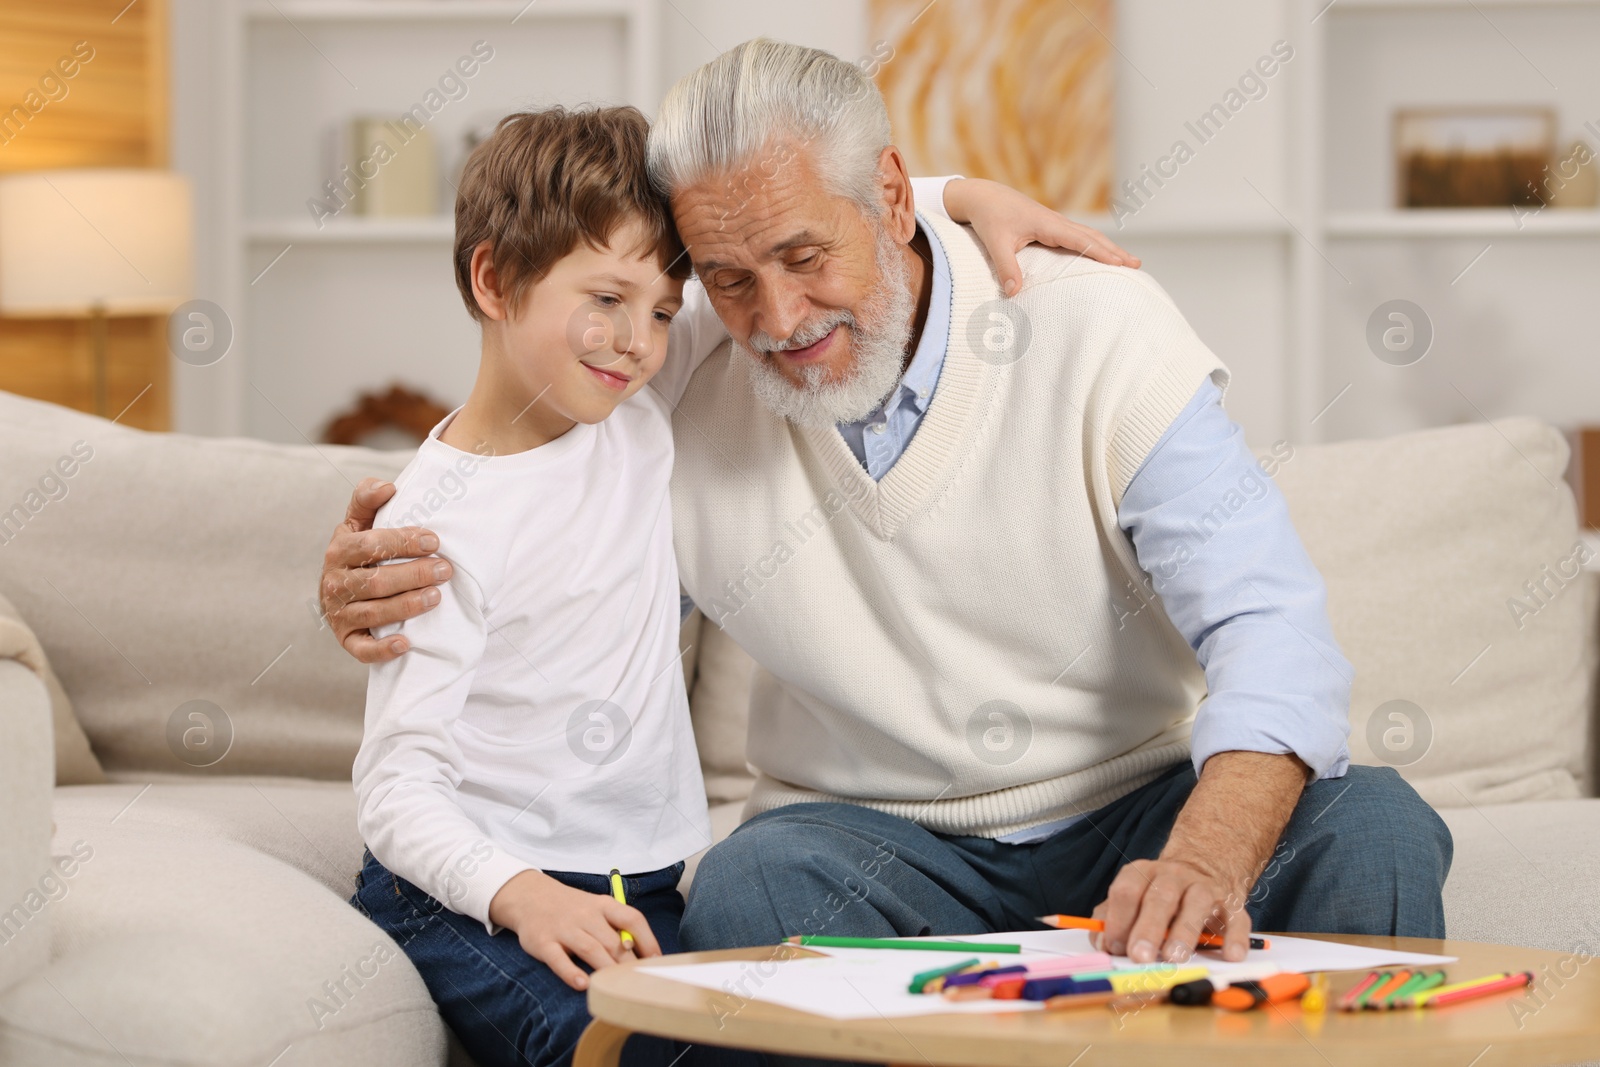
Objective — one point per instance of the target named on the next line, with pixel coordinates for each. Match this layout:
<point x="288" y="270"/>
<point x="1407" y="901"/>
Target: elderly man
<point x="1035" y="633"/>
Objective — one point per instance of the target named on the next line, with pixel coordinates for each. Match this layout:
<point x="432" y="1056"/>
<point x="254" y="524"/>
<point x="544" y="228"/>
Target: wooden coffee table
<point x="628" y="999"/>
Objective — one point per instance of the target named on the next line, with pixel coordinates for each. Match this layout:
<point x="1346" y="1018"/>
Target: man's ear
<point x="486" y="283"/>
<point x="894" y="185"/>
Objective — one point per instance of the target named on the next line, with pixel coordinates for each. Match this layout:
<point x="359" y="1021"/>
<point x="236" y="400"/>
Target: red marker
<point x="1349" y="1000"/>
<point x="1499" y="985"/>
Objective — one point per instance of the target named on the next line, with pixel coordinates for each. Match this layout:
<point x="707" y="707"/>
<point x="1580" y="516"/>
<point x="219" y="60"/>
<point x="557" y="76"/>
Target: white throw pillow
<point x="1474" y="689"/>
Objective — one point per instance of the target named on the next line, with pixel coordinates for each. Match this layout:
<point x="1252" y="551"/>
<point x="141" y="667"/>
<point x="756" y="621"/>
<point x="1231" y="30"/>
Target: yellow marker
<point x="1315" y="999"/>
<point x="1153" y="981"/>
<point x="622" y="898"/>
<point x="1427" y="995"/>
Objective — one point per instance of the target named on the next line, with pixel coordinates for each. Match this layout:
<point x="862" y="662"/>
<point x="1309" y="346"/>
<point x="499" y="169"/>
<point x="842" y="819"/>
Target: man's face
<point x="796" y="273"/>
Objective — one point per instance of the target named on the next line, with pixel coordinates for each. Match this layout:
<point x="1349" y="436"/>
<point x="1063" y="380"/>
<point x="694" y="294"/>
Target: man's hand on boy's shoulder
<point x="357" y="594"/>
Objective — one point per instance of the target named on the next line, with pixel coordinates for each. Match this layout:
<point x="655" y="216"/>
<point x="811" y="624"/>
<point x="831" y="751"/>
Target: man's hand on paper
<point x="556" y="924"/>
<point x="1219" y="845"/>
<point x="1157" y="909"/>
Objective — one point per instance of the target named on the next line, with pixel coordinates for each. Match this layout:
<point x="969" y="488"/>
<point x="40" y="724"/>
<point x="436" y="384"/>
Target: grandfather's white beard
<point x="878" y="343"/>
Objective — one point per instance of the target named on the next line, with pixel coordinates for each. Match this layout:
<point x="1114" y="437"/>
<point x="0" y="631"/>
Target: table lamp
<point x="95" y="243"/>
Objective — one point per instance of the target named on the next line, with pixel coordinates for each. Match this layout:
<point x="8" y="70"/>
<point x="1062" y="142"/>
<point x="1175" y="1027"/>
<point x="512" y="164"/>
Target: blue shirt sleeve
<point x="1214" y="534"/>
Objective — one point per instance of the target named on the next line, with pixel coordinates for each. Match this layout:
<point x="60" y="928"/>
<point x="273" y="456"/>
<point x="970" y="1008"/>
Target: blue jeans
<point x="507" y="1009"/>
<point x="1362" y="854"/>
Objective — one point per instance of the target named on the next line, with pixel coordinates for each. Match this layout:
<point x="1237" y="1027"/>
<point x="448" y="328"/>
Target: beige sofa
<point x="190" y="905"/>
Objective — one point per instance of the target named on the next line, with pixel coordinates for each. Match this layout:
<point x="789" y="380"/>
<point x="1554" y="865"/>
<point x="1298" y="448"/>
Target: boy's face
<point x="593" y="331"/>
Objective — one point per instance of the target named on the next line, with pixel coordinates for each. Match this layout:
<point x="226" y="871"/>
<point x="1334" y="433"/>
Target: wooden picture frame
<point x="1471" y="156"/>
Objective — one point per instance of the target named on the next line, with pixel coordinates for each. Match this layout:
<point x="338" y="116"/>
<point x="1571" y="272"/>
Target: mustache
<point x="807" y="333"/>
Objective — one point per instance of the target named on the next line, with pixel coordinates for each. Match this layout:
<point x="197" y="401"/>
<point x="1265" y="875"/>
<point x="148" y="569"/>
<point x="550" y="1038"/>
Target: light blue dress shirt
<point x="880" y="438"/>
<point x="1243" y="593"/>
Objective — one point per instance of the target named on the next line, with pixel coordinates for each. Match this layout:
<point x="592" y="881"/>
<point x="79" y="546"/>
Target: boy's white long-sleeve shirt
<point x="540" y="719"/>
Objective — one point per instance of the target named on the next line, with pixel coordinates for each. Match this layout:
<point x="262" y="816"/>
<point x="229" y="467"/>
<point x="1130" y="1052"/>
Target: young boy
<point x="539" y="736"/>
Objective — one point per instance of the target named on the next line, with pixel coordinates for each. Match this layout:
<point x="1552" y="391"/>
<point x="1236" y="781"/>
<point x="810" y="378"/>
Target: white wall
<point x="694" y="31"/>
<point x="1175" y="59"/>
<point x="205" y="400"/>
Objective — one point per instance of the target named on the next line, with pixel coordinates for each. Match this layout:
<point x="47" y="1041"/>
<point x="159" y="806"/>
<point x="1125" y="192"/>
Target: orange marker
<point x="1009" y="988"/>
<point x="1076" y="922"/>
<point x="1274" y="989"/>
<point x="1376" y="998"/>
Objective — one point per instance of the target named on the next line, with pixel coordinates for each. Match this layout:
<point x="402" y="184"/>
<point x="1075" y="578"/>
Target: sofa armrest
<point x="27" y="776"/>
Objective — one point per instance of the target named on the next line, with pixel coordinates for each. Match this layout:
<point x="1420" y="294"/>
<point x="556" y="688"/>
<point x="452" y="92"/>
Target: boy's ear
<point x="486" y="283"/>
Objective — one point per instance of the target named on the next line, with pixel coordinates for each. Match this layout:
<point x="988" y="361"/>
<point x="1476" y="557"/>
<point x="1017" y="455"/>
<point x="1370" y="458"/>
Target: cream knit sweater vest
<point x="969" y="643"/>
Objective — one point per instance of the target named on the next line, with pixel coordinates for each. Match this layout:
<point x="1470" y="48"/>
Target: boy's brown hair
<point x="547" y="179"/>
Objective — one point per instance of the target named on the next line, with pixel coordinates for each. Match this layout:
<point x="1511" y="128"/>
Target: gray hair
<point x="721" y="117"/>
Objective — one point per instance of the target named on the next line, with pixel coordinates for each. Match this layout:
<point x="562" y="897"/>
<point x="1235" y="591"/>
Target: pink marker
<point x="1058" y="967"/>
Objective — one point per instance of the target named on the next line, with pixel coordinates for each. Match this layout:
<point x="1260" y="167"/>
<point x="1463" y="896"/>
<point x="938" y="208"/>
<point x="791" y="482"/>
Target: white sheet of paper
<point x="855" y="983"/>
<point x="1301" y="954"/>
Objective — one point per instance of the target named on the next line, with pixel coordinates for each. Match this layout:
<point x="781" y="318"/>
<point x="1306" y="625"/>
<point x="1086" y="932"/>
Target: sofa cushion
<point x="75" y="761"/>
<point x="309" y="825"/>
<point x="1433" y="545"/>
<point x="172" y="582"/>
<point x="1526" y="874"/>
<point x="169" y="953"/>
<point x="724" y="819"/>
<point x="27" y="882"/>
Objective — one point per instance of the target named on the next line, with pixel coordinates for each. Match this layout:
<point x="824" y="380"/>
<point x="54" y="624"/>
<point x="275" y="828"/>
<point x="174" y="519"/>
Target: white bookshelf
<point x="1504" y="293"/>
<point x="1203" y="226"/>
<point x="1277" y="241"/>
<point x="1499" y="224"/>
<point x="440" y="229"/>
<point x="1437" y="5"/>
<point x="1282" y="289"/>
<point x="322" y="312"/>
<point x="436" y="10"/>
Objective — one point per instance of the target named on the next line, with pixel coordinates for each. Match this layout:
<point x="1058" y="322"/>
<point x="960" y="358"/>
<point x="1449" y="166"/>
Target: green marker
<point x="1397" y="997"/>
<point x="822" y="941"/>
<point x="1432" y="981"/>
<point x="1361" y="1001"/>
<point x="920" y="981"/>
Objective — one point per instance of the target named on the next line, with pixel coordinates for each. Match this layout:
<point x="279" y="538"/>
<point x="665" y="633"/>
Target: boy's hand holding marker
<point x="557" y="924"/>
